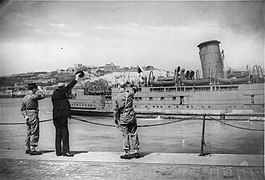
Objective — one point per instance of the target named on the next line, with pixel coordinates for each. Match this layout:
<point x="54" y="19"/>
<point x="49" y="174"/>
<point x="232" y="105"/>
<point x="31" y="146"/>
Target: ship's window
<point x="150" y="98"/>
<point x="153" y="106"/>
<point x="161" y="106"/>
<point x="209" y="106"/>
<point x="235" y="106"/>
<point x="177" y="107"/>
<point x="135" y="106"/>
<point x="162" y="98"/>
<point x="187" y="106"/>
<point x="140" y="98"/>
<point x="174" y="98"/>
<point x="230" y="106"/>
<point x="202" y="106"/>
<point x="168" y="106"/>
<point x="252" y="99"/>
<point x="181" y="100"/>
<point x="136" y="98"/>
<point x="146" y="106"/>
<point x="157" y="106"/>
<point x="170" y="89"/>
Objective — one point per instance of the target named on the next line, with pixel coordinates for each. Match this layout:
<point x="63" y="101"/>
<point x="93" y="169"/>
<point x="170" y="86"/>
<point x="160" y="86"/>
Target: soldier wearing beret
<point x="61" y="113"/>
<point x="125" y="119"/>
<point x="30" y="111"/>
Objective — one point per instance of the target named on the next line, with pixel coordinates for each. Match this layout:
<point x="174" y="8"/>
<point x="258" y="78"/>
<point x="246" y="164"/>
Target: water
<point x="181" y="137"/>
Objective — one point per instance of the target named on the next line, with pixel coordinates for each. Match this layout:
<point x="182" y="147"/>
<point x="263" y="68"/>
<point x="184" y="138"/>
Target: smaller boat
<point x="242" y="80"/>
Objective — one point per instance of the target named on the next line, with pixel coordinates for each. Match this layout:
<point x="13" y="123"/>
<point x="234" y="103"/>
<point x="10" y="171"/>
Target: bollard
<point x="202" y="140"/>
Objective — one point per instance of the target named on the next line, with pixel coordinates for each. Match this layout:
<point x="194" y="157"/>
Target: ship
<point x="218" y="92"/>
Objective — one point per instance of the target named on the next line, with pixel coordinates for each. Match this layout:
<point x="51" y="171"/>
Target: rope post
<point x="202" y="140"/>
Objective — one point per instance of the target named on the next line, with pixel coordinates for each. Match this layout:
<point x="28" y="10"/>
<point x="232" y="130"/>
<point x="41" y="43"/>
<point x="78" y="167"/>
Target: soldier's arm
<point x="38" y="96"/>
<point x="71" y="84"/>
<point x="116" y="114"/>
<point x="23" y="110"/>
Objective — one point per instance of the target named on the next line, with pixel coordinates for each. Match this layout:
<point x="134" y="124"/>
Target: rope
<point x="150" y="125"/>
<point x="86" y="121"/>
<point x="238" y="127"/>
<point x="18" y="123"/>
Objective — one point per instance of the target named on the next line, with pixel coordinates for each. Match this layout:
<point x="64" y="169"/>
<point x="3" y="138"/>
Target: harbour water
<point x="180" y="137"/>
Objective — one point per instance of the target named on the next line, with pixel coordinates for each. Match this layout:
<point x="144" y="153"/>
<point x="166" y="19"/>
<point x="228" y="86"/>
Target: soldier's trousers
<point x="33" y="132"/>
<point x="130" y="136"/>
<point x="62" y="135"/>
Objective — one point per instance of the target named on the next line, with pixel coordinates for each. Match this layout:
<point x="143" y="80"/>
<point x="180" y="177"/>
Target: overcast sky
<point x="45" y="36"/>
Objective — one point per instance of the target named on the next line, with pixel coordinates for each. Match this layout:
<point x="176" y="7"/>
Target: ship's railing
<point x="221" y="118"/>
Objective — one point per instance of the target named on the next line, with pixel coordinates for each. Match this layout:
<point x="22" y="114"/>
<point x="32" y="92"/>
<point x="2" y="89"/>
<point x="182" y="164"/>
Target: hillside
<point x="110" y="74"/>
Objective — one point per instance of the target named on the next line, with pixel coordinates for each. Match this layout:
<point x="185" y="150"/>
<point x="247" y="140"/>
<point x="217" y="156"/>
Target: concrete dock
<point x="15" y="164"/>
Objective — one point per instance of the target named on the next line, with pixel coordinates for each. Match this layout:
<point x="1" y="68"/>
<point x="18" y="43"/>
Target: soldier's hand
<point x="77" y="76"/>
<point x="117" y="124"/>
<point x="39" y="88"/>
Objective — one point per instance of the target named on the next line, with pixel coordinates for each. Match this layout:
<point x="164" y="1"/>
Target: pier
<point x="93" y="163"/>
<point x="15" y="164"/>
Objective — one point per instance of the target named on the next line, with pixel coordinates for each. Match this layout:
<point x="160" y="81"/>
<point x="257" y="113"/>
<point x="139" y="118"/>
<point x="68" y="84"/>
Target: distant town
<point x="16" y="85"/>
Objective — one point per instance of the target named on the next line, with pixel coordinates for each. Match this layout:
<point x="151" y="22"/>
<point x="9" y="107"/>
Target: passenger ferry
<point x="218" y="92"/>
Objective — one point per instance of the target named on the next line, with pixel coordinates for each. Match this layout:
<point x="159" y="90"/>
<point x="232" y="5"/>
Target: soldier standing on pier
<point x="125" y="119"/>
<point x="61" y="113"/>
<point x="30" y="112"/>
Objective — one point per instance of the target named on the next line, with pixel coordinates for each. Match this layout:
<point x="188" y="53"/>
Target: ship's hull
<point x="217" y="100"/>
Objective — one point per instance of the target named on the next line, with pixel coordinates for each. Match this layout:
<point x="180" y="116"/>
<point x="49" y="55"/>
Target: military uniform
<point x="30" y="111"/>
<point x="125" y="118"/>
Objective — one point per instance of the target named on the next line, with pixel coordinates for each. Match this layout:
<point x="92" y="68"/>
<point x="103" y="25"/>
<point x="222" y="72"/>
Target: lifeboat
<point x="195" y="82"/>
<point x="162" y="83"/>
<point x="242" y="80"/>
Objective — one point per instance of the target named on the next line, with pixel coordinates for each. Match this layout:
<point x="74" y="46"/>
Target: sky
<point x="49" y="35"/>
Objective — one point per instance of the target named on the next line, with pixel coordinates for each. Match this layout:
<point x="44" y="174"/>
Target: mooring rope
<point x="19" y="123"/>
<point x="147" y="125"/>
<point x="238" y="127"/>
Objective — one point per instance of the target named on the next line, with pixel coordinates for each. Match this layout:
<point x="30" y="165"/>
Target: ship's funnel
<point x="211" y="59"/>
